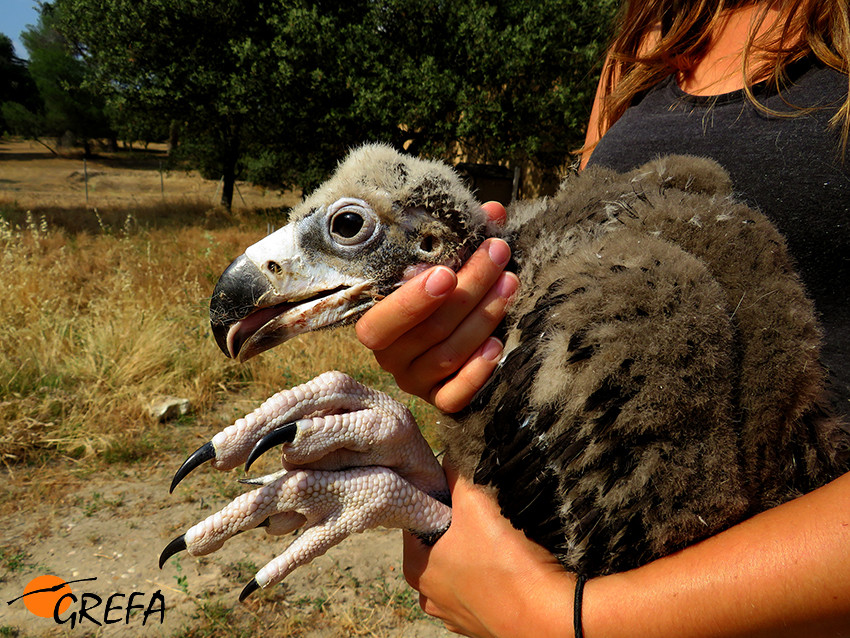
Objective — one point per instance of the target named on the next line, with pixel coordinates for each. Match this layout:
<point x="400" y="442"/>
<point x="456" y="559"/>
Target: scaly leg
<point x="353" y="459"/>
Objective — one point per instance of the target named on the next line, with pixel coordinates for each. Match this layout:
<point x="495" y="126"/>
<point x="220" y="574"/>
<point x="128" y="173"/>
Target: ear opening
<point x="429" y="244"/>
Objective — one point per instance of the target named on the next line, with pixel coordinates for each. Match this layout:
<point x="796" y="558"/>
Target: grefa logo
<point x="50" y="596"/>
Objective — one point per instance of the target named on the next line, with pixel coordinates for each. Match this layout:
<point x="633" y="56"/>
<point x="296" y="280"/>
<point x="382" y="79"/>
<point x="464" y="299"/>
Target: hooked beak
<point x="270" y="294"/>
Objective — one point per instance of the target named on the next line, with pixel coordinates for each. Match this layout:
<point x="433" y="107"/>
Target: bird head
<point x="380" y="219"/>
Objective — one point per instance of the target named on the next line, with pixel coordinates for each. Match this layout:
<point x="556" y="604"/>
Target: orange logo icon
<point x="43" y="592"/>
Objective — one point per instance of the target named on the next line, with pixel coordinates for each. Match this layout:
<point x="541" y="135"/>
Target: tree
<point x="278" y="90"/>
<point x="202" y="63"/>
<point x="63" y="103"/>
<point x="18" y="93"/>
<point x="497" y="80"/>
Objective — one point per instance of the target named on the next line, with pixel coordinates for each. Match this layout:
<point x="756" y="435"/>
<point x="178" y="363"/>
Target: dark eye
<point x="351" y="223"/>
<point x="346" y="225"/>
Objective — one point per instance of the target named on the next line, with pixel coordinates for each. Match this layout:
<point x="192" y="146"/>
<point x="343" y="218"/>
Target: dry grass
<point x="106" y="309"/>
<point x="372" y="610"/>
<point x="95" y="326"/>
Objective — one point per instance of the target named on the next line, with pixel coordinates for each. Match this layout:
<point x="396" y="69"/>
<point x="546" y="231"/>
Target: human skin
<point x="433" y="333"/>
<point x="784" y="572"/>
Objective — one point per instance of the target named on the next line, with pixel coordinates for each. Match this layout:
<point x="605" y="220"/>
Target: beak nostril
<point x="273" y="267"/>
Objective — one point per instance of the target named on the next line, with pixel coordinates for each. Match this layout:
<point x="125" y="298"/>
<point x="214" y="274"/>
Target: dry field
<point x="104" y="311"/>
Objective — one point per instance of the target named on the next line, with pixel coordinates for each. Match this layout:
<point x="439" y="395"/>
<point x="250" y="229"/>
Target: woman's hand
<point x="784" y="572"/>
<point x="484" y="577"/>
<point x="433" y="333"/>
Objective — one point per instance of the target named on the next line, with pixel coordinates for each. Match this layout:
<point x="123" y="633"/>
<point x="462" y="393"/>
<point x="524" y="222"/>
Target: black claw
<point x="249" y="589"/>
<point x="283" y="434"/>
<point x="177" y="545"/>
<point x="200" y="456"/>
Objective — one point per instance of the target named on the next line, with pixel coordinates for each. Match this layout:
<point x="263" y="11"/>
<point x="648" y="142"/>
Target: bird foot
<point x="353" y="459"/>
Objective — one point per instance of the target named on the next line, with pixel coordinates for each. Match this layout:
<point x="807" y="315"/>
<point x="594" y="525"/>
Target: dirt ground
<point x="113" y="528"/>
<point x="111" y="524"/>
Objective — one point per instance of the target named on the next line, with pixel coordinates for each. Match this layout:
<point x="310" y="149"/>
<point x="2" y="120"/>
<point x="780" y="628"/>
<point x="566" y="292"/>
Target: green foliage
<point x="278" y="90"/>
<point x="504" y="79"/>
<point x="14" y="560"/>
<point x="19" y="120"/>
<point x="50" y="96"/>
<point x="18" y="94"/>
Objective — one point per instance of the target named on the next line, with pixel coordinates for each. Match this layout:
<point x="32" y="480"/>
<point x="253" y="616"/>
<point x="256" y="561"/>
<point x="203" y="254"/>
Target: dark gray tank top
<point x="790" y="168"/>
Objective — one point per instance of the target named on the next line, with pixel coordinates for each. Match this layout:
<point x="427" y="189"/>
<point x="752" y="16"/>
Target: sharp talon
<point x="177" y="545"/>
<point x="283" y="434"/>
<point x="249" y="589"/>
<point x="200" y="456"/>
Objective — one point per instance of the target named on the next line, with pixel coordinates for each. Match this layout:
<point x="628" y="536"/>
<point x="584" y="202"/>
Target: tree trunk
<point x="173" y="136"/>
<point x="228" y="181"/>
<point x="229" y="158"/>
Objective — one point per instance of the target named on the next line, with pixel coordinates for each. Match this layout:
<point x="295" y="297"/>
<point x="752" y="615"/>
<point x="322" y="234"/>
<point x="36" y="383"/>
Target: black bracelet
<point x="577" y="630"/>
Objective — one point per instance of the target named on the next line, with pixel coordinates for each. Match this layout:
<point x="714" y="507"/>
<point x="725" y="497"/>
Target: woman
<point x="782" y="572"/>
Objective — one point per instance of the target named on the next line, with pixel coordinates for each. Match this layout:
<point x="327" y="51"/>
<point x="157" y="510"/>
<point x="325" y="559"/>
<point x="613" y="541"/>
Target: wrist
<point x="547" y="606"/>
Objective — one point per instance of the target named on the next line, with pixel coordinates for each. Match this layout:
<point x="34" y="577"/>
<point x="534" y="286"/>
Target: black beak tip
<point x="234" y="298"/>
<point x="249" y="589"/>
<point x="175" y="546"/>
<point x="283" y="434"/>
<point x="220" y="335"/>
<point x="200" y="456"/>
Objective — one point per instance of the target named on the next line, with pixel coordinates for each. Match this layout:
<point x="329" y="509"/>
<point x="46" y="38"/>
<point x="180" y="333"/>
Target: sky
<point x="15" y="15"/>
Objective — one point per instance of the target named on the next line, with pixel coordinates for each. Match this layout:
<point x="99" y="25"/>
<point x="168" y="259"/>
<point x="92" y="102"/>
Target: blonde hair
<point x="636" y="62"/>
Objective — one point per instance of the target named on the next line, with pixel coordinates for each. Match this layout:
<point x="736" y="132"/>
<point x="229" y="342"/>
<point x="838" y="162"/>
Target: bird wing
<point x="624" y="357"/>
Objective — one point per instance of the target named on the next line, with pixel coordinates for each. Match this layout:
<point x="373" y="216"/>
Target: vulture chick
<point x="660" y="378"/>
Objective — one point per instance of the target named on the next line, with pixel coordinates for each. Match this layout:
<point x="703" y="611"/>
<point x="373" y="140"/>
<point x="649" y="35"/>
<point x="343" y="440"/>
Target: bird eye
<point x="351" y="223"/>
<point x="346" y="225"/>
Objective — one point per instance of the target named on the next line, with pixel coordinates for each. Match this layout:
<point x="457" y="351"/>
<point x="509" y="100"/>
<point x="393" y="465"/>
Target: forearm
<point x="785" y="572"/>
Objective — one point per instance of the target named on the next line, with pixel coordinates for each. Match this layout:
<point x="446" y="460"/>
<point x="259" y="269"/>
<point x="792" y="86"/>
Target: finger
<point x="456" y="393"/>
<point x="432" y="609"/>
<point x="435" y="611"/>
<point x="447" y="357"/>
<point x="496" y="212"/>
<point x="405" y="308"/>
<point x="456" y="629"/>
<point x="475" y="280"/>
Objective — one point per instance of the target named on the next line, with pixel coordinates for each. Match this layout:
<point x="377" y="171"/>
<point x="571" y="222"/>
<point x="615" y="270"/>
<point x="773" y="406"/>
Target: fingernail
<point x="492" y="349"/>
<point x="507" y="285"/>
<point x="499" y="252"/>
<point x="440" y="282"/>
